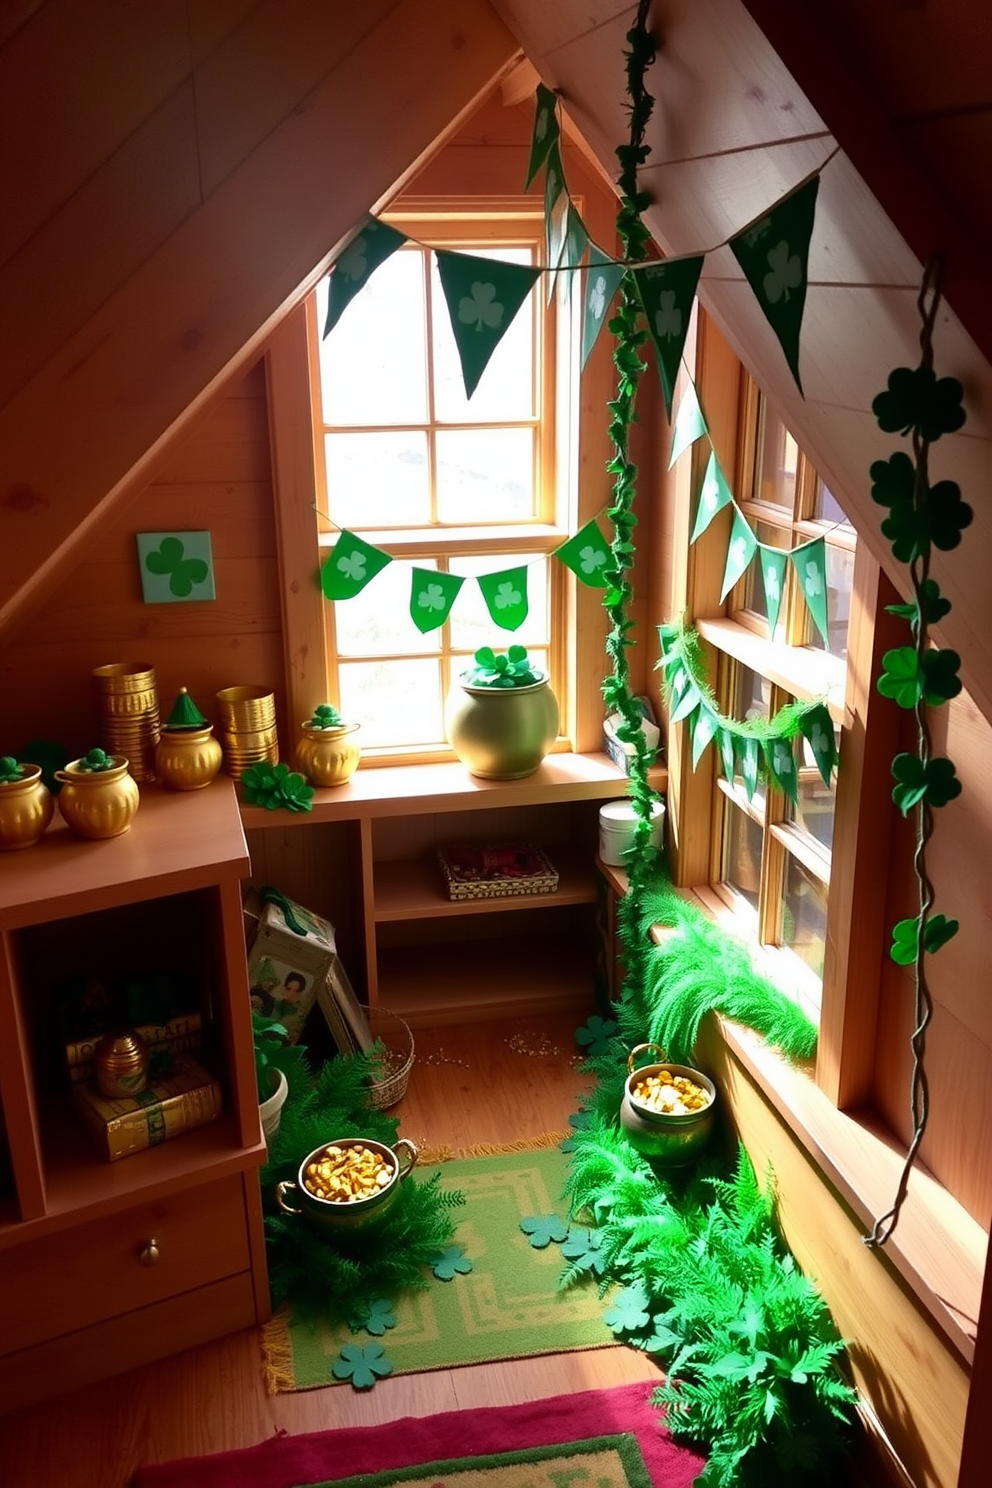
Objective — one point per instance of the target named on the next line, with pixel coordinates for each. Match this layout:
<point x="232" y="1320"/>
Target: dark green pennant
<point x="505" y="594"/>
<point x="739" y="553"/>
<point x="810" y="563"/>
<point x="602" y="280"/>
<point x="667" y="291"/>
<point x="714" y="495"/>
<point x="774" y="254"/>
<point x="432" y="594"/>
<point x="349" y="567"/>
<point x="818" y="729"/>
<point x="725" y="739"/>
<point x="483" y="295"/>
<point x="355" y="266"/>
<point x="546" y="130"/>
<point x="587" y="554"/>
<point x="780" y="757"/>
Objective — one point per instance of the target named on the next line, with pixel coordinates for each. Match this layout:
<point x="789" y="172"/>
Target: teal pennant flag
<point x="667" y="291"/>
<point x="573" y="248"/>
<point x="602" y="280"/>
<point x="780" y="757"/>
<point x="811" y="565"/>
<point x="588" y="555"/>
<point x="356" y="265"/>
<point x="714" y="495"/>
<point x="774" y="254"/>
<point x="773" y="578"/>
<point x="432" y="594"/>
<point x="483" y="295"/>
<point x="739" y="554"/>
<point x="505" y="594"/>
<point x="689" y="424"/>
<point x="349" y="567"/>
<point x="546" y="130"/>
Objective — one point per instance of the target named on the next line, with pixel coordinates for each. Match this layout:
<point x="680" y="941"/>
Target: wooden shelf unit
<point x="75" y="1228"/>
<point x="366" y="857"/>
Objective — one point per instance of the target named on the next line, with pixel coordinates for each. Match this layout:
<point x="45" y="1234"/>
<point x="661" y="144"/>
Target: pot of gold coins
<point x="349" y="1184"/>
<point x="668" y="1109"/>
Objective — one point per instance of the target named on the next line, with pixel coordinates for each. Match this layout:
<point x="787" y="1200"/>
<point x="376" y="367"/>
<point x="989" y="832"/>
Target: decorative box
<point x="497" y="872"/>
<point x="621" y="753"/>
<point x="290" y="957"/>
<point x="189" y="1096"/>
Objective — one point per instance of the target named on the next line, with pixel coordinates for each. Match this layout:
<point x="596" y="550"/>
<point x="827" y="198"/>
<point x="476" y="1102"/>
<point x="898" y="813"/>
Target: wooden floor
<point x="489" y="1084"/>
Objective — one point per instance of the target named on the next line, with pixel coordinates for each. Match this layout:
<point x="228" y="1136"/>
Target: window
<point x="437" y="480"/>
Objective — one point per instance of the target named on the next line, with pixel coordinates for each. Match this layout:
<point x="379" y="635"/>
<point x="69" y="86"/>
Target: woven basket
<point x="390" y="1030"/>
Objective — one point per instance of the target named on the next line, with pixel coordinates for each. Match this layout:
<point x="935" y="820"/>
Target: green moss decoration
<point x="95" y="762"/>
<point x="10" y="770"/>
<point x="275" y="786"/>
<point x="325" y="716"/>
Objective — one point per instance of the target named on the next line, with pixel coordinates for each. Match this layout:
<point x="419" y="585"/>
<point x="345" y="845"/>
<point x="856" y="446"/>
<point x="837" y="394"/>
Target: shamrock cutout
<point x="786" y="273"/>
<point x="451" y="1261"/>
<point x="583" y="1248"/>
<point x="940" y="679"/>
<point x="597" y="298"/>
<point x="506" y="596"/>
<point x="482" y="308"/>
<point x="375" y="1317"/>
<point x="353" y="263"/>
<point x="916" y="398"/>
<point x="629" y="1313"/>
<point x="900" y="677"/>
<point x="946" y="515"/>
<point x="935" y="606"/>
<point x="771" y="583"/>
<point x="352" y="565"/>
<point x="906" y="938"/>
<point x="783" y="762"/>
<point x="738" y="551"/>
<point x="595" y="1034"/>
<point x="668" y="317"/>
<point x="431" y="597"/>
<point x="362" y="1365"/>
<point x="544" y="1228"/>
<point x="553" y="185"/>
<point x="183" y="572"/>
<point x="755" y="234"/>
<point x="935" y="781"/>
<point x="812" y="578"/>
<point x="711" y="493"/>
<point x="590" y="559"/>
<point x="578" y="1121"/>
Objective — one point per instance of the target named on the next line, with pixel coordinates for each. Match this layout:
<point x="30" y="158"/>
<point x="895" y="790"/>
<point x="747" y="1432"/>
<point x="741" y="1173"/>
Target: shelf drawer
<point x="83" y="1275"/>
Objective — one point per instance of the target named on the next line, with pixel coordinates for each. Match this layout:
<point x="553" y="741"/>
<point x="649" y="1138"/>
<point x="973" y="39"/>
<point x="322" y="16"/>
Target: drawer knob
<point x="150" y="1253"/>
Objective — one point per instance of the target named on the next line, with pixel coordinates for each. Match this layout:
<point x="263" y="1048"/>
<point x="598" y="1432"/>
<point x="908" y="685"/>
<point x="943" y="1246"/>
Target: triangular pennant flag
<point x="546" y="130"/>
<point x="749" y="764"/>
<point x="602" y="279"/>
<point x="774" y="254"/>
<point x="818" y="730"/>
<point x="773" y="578"/>
<point x="483" y="295"/>
<point x="667" y="291"/>
<point x="349" y="567"/>
<point x="739" y="553"/>
<point x="726" y="741"/>
<point x="689" y="424"/>
<point x="811" y="565"/>
<point x="587" y="554"/>
<point x="432" y="594"/>
<point x="703" y="732"/>
<point x="714" y="495"/>
<point x="688" y="700"/>
<point x="573" y="248"/>
<point x="780" y="756"/>
<point x="505" y="594"/>
<point x="363" y="255"/>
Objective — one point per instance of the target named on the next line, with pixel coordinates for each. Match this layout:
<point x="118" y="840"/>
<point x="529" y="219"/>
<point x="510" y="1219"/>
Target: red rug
<point x="292" y="1461"/>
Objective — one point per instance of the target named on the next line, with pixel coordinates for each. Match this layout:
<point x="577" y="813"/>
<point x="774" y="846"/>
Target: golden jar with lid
<point x="26" y="805"/>
<point x="120" y="1061"/>
<point x="187" y="756"/>
<point x="98" y="799"/>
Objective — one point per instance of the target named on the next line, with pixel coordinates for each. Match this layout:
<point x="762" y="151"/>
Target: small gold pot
<point x="98" y="803"/>
<point x="188" y="758"/>
<point x="353" y="1218"/>
<point x="667" y="1139"/>
<point x="120" y="1061"/>
<point x="328" y="756"/>
<point x="26" y="808"/>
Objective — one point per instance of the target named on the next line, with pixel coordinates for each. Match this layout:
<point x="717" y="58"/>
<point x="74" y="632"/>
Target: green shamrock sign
<point x="175" y="566"/>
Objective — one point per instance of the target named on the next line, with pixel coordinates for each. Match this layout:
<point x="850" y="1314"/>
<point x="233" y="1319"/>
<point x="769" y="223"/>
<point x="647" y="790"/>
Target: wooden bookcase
<point x="104" y="1266"/>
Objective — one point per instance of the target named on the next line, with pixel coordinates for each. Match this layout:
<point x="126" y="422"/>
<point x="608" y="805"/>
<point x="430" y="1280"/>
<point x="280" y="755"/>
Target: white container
<point x="617" y="820"/>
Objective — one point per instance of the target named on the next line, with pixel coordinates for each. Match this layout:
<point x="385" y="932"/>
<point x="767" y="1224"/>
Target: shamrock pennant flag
<point x="483" y="295"/>
<point x="505" y="594"/>
<point x="780" y="756"/>
<point x="546" y="130"/>
<point x="689" y="424"/>
<point x="739" y="554"/>
<point x="773" y="577"/>
<point x="818" y="730"/>
<point x="356" y="265"/>
<point x="774" y="254"/>
<point x="714" y="495"/>
<point x="704" y="730"/>
<point x="602" y="279"/>
<point x="573" y="247"/>
<point x="725" y="739"/>
<point x="749" y="753"/>
<point x="811" y="565"/>
<point x="588" y="555"/>
<point x="667" y="291"/>
<point x="349" y="567"/>
<point x="432" y="594"/>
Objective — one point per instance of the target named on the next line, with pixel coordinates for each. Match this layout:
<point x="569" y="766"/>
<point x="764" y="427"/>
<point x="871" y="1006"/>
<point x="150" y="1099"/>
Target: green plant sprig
<point x="511" y="668"/>
<point x="325" y="716"/>
<point x="275" y="786"/>
<point x="96" y="761"/>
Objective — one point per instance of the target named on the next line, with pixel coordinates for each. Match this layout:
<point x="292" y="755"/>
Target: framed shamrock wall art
<point x="175" y="566"/>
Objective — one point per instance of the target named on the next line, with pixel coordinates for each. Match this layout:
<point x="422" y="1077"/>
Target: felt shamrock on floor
<point x="451" y="1262"/>
<point x="362" y="1365"/>
<point x="629" y="1312"/>
<point x="375" y="1318"/>
<point x="582" y="1248"/>
<point x="543" y="1228"/>
<point x="595" y="1034"/>
<point x="577" y="1121"/>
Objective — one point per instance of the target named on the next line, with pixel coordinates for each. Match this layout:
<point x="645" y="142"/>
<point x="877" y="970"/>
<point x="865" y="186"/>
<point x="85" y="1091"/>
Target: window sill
<point x="802" y="670"/>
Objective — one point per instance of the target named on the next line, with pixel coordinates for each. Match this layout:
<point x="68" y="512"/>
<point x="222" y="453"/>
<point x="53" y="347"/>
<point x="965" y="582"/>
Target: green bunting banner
<point x="432" y="594"/>
<point x="810" y="563"/>
<point x="739" y="554"/>
<point x="363" y="255"/>
<point x="602" y="280"/>
<point x="667" y="291"/>
<point x="505" y="594"/>
<point x="774" y="254"/>
<point x="483" y="295"/>
<point x="689" y="424"/>
<point x="573" y="248"/>
<point x="773" y="578"/>
<point x="349" y="567"/>
<point x="714" y="495"/>
<point x="588" y="555"/>
<point x="546" y="131"/>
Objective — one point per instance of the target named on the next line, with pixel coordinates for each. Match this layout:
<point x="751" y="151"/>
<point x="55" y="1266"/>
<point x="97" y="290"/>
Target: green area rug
<point x="507" y="1306"/>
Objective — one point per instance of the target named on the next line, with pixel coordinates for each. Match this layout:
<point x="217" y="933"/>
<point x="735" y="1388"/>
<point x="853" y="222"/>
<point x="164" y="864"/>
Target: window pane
<point x="377" y="621"/>
<point x="742" y="843"/>
<point x="377" y="480"/>
<point x="373" y="364"/>
<point x="826" y="507"/>
<point x="752" y="694"/>
<point x="815" y="810"/>
<point x="471" y="624"/>
<point x="840" y="582"/>
<point x="398" y="703"/>
<point x="485" y="475"/>
<point x="804" y="915"/>
<point x="506" y="388"/>
<point x="777" y="458"/>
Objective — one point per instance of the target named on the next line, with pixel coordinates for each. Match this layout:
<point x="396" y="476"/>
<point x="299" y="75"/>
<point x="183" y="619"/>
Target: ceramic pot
<point x="270" y="1110"/>
<point x="26" y="808"/>
<point x="328" y="757"/>
<point x="501" y="733"/>
<point x="98" y="803"/>
<point x="673" y="1139"/>
<point x="353" y="1218"/>
<point x="188" y="758"/>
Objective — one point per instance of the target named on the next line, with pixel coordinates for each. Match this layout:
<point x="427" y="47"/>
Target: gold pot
<point x="26" y="808"/>
<point x="328" y="756"/>
<point x="501" y="733"/>
<point x="98" y="803"/>
<point x="188" y="758"/>
<point x="667" y="1139"/>
<point x="353" y="1218"/>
